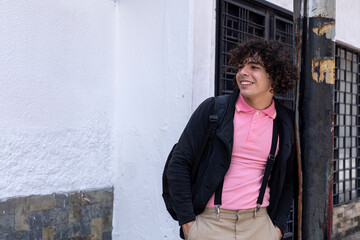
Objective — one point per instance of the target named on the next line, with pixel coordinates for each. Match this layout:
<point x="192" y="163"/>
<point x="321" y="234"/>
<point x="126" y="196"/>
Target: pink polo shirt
<point x="251" y="147"/>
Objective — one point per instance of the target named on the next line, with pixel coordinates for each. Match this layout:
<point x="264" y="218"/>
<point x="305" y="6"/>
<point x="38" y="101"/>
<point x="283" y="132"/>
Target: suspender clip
<point x="256" y="209"/>
<point x="217" y="211"/>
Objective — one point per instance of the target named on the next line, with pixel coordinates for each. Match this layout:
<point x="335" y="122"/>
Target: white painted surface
<point x="152" y="107"/>
<point x="286" y="4"/>
<point x="56" y="97"/>
<point x="347" y="19"/>
<point x="204" y="41"/>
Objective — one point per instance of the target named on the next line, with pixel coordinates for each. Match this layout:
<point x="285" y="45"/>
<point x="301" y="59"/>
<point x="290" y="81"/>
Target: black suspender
<point x="269" y="164"/>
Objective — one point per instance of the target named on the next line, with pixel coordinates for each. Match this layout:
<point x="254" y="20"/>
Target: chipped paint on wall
<point x="323" y="8"/>
<point x="323" y="70"/>
<point x="327" y="29"/>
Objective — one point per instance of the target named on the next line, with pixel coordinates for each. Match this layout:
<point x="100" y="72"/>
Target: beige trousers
<point x="233" y="224"/>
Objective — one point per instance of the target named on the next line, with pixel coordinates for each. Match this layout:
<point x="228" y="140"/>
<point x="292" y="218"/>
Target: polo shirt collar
<point x="242" y="106"/>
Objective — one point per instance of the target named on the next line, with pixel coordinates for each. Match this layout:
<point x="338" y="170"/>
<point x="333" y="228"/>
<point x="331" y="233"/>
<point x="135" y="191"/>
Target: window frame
<point x="343" y="131"/>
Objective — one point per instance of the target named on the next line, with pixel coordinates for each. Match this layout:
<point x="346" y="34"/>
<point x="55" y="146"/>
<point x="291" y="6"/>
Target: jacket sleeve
<point x="183" y="158"/>
<point x="287" y="194"/>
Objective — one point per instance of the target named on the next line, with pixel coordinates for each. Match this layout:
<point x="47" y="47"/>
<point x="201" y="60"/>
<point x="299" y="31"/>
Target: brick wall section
<point x="85" y="215"/>
<point x="346" y="220"/>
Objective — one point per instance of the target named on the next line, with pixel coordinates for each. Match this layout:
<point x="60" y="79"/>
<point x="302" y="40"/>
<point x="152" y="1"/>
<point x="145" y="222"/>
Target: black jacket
<point x="190" y="199"/>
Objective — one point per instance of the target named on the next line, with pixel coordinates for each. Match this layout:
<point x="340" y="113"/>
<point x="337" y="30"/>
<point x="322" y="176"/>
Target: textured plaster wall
<point x="56" y="95"/>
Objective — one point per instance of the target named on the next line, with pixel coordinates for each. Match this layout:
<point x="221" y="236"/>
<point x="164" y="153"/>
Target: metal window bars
<point x="346" y="164"/>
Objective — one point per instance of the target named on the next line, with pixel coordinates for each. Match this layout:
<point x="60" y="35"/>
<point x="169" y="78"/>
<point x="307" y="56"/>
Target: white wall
<point x="203" y="19"/>
<point x="286" y="4"/>
<point x="347" y="22"/>
<point x="153" y="104"/>
<point x="56" y="96"/>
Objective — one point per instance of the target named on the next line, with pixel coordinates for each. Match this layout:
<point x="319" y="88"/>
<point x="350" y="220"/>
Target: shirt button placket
<point x="256" y="116"/>
<point x="251" y="137"/>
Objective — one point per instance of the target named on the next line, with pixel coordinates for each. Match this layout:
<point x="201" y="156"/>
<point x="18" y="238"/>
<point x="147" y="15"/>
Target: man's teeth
<point x="246" y="83"/>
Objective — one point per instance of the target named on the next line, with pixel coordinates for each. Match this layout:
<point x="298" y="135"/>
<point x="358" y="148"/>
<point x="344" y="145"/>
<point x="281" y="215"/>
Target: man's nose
<point x="244" y="71"/>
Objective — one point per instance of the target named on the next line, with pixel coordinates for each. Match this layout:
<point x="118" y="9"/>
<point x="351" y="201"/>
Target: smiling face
<point x="254" y="82"/>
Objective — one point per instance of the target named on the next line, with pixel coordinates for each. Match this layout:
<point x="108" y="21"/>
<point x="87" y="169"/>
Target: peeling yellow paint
<point x="328" y="29"/>
<point x="323" y="70"/>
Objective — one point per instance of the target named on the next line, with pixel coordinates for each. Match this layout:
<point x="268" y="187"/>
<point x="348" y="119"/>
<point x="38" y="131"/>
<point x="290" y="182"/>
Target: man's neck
<point x="259" y="103"/>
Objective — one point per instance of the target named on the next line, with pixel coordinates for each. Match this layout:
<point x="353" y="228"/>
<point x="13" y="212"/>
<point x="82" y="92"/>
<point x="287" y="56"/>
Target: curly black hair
<point x="278" y="62"/>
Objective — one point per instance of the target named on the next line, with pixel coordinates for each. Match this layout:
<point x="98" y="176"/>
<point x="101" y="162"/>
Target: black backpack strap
<point x="214" y="120"/>
<point x="218" y="192"/>
<point x="269" y="165"/>
<point x="219" y="109"/>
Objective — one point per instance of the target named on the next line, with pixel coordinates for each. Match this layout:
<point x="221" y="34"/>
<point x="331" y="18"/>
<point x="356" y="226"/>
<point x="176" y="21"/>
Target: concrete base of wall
<point x="77" y="215"/>
<point x="346" y="220"/>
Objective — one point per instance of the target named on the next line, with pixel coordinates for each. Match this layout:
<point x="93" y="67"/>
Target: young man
<point x="235" y="158"/>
